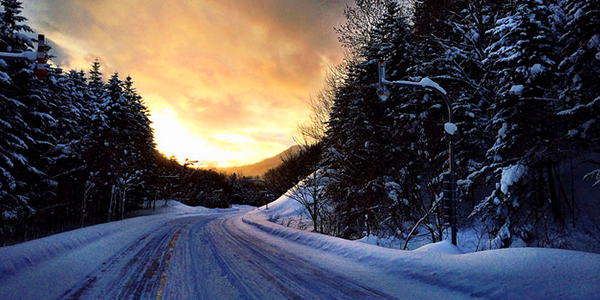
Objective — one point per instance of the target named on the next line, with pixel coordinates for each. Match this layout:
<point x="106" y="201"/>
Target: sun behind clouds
<point x="226" y="82"/>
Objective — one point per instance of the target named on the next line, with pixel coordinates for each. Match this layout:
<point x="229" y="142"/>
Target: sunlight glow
<point x="226" y="82"/>
<point x="233" y="138"/>
<point x="174" y="139"/>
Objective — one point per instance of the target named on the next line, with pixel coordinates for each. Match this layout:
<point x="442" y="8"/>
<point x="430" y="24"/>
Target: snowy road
<point x="197" y="253"/>
<point x="218" y="260"/>
<point x="206" y="256"/>
<point x="209" y="257"/>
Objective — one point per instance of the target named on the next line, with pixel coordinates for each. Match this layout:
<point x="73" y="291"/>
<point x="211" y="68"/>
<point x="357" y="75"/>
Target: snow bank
<point x="516" y="273"/>
<point x="284" y="207"/>
<point x="329" y="244"/>
<point x="169" y="207"/>
<point x="357" y="251"/>
<point x="443" y="247"/>
<point x="21" y="256"/>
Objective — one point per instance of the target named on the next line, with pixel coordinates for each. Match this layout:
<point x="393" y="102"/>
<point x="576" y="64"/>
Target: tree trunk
<point x="554" y="200"/>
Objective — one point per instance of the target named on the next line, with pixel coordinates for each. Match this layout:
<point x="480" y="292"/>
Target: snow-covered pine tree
<point x="67" y="166"/>
<point x="347" y="155"/>
<point x="349" y="158"/>
<point x="376" y="152"/>
<point x="464" y="75"/>
<point x="116" y="146"/>
<point x="523" y="62"/>
<point x="16" y="136"/>
<point x="441" y="54"/>
<point x="414" y="150"/>
<point x="143" y="152"/>
<point x="42" y="108"/>
<point x="580" y="99"/>
<point x="125" y="145"/>
<point x="89" y="155"/>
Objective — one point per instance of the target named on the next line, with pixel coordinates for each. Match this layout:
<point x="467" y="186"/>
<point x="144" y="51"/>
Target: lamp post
<point x="40" y="57"/>
<point x="448" y="184"/>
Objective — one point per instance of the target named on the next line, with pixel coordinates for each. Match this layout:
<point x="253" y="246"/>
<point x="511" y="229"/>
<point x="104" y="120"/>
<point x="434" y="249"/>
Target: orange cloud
<point x="231" y="75"/>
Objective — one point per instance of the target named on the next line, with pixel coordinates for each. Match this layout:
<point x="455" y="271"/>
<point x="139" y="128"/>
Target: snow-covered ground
<point x="181" y="252"/>
<point x="516" y="273"/>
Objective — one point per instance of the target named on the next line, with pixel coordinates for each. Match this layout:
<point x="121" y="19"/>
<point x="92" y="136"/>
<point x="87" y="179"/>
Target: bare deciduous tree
<point x="315" y="129"/>
<point x="361" y="18"/>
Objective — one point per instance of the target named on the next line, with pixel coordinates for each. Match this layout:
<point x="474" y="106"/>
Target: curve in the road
<point x="208" y="257"/>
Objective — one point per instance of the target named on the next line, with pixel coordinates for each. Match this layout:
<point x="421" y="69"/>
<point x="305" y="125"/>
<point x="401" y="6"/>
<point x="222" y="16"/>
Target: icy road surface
<point x="207" y="257"/>
<point x="196" y="253"/>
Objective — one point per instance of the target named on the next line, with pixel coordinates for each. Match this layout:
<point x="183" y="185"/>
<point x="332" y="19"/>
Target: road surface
<point x="209" y="257"/>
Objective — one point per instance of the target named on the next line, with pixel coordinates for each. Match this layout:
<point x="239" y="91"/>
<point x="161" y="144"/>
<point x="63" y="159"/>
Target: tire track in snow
<point x="210" y="257"/>
<point x="136" y="272"/>
<point x="264" y="271"/>
<point x="163" y="274"/>
<point x="213" y="259"/>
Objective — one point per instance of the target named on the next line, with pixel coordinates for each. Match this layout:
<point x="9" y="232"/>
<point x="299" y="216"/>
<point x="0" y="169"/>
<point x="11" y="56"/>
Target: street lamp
<point x="448" y="182"/>
<point x="40" y="57"/>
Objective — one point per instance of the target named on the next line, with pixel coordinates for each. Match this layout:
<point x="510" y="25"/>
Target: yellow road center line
<point x="163" y="275"/>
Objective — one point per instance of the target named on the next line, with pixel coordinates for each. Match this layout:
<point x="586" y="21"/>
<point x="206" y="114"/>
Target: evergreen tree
<point x="69" y="168"/>
<point x="465" y="77"/>
<point x="368" y="155"/>
<point x="349" y="157"/>
<point x="413" y="150"/>
<point x="523" y="61"/>
<point x="15" y="133"/>
<point x="580" y="98"/>
<point x="72" y="150"/>
<point x="142" y="153"/>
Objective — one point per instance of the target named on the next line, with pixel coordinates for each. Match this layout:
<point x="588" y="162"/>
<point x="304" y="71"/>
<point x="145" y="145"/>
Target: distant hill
<point x="259" y="168"/>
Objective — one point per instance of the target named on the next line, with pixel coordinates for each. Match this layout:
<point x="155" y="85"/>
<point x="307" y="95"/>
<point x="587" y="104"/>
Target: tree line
<point x="76" y="150"/>
<point x="523" y="76"/>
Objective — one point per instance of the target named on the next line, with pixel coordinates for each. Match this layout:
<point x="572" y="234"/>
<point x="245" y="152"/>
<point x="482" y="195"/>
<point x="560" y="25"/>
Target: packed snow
<point x="516" y="90"/>
<point x="510" y="175"/>
<point x="302" y="264"/>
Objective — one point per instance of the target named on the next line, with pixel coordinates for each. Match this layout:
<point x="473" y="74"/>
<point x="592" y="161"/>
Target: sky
<point x="226" y="81"/>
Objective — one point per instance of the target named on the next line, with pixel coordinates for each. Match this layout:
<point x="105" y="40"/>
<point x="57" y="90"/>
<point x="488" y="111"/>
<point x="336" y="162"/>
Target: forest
<point x="76" y="150"/>
<point x="523" y="78"/>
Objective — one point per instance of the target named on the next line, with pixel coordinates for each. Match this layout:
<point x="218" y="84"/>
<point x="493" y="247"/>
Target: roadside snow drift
<point x="517" y="273"/>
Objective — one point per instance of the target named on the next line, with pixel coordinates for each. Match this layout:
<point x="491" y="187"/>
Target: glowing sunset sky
<point x="226" y="81"/>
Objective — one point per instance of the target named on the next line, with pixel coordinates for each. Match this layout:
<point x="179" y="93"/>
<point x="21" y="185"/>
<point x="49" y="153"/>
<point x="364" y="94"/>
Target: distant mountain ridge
<point x="259" y="168"/>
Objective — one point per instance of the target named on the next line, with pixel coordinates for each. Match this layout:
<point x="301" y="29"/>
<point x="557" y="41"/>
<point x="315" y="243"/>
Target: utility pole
<point x="39" y="70"/>
<point x="448" y="178"/>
